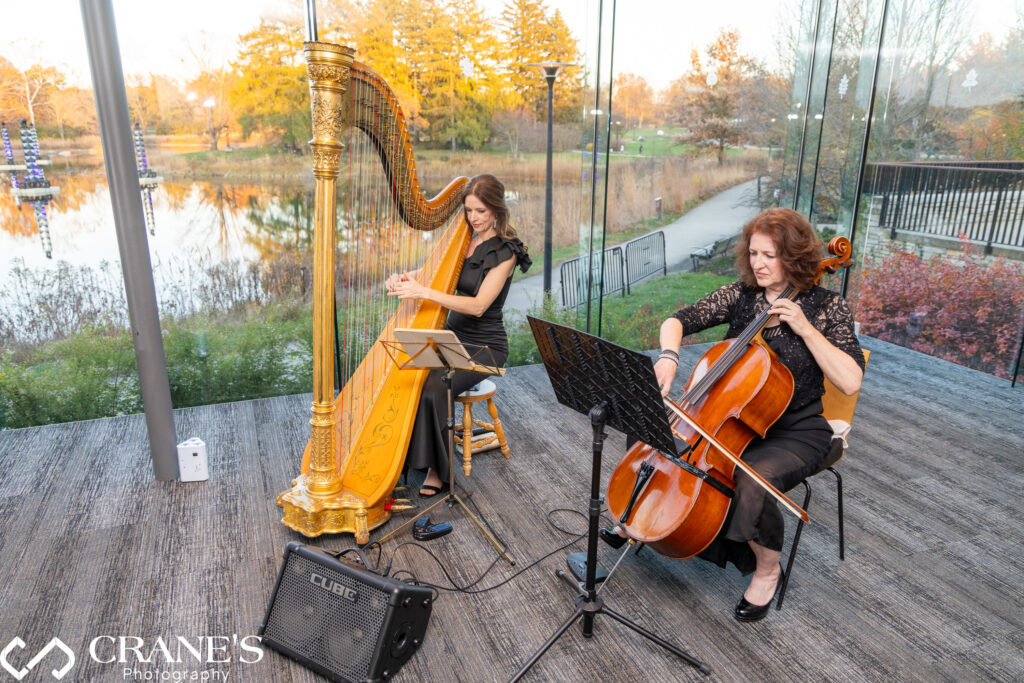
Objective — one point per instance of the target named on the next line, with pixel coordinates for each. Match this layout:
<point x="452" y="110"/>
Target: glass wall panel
<point x="224" y="122"/>
<point x="941" y="233"/>
<point x="812" y="109"/>
<point x="698" y="121"/>
<point x="597" y="128"/>
<point x="862" y="25"/>
<point x="805" y="43"/>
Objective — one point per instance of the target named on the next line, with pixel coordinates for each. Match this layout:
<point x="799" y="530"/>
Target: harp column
<point x="327" y="66"/>
<point x="311" y="505"/>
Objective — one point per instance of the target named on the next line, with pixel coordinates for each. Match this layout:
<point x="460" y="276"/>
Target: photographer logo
<point x="22" y="672"/>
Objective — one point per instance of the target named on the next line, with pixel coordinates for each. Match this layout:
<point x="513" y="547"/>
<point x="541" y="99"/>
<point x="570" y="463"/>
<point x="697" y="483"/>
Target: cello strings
<point x="739" y="346"/>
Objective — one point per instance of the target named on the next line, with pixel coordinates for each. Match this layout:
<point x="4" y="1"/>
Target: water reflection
<point x="226" y="222"/>
<point x="217" y="246"/>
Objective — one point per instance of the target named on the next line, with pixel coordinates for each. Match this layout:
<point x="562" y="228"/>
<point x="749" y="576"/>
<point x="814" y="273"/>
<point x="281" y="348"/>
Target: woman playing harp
<point x="475" y="316"/>
<point x="359" y="437"/>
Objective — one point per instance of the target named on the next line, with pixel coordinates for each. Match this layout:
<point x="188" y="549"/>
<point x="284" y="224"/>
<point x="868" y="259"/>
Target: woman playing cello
<point x="812" y="335"/>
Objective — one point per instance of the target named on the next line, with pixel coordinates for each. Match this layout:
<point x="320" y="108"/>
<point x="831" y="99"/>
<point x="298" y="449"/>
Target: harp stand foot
<point x="453" y="498"/>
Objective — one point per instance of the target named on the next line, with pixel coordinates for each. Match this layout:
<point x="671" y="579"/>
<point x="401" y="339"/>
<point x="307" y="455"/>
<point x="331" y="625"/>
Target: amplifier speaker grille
<point x="341" y="619"/>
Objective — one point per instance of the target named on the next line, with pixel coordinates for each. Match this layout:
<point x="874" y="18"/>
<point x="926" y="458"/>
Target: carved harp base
<point x="342" y="513"/>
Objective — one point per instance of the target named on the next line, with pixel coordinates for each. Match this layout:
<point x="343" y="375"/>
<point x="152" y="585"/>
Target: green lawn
<point x="633" y="321"/>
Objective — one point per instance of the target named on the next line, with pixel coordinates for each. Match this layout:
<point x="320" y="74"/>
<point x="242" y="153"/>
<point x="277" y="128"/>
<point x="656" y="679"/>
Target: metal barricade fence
<point x="574" y="286"/>
<point x="645" y="256"/>
<point x="624" y="265"/>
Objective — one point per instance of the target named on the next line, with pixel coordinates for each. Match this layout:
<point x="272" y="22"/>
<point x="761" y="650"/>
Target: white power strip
<point x="192" y="465"/>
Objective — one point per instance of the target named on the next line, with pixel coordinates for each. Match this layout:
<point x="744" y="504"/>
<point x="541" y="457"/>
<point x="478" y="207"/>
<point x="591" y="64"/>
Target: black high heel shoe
<point x="746" y="611"/>
<point x="611" y="538"/>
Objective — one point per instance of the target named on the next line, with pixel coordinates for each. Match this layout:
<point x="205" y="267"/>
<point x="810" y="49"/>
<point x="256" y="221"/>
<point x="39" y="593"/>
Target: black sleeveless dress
<point x="428" y="446"/>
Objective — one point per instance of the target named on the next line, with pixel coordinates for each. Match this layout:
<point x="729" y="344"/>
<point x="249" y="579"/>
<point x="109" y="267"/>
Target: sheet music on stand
<point x="586" y="371"/>
<point x="440" y="349"/>
<point x="614" y="387"/>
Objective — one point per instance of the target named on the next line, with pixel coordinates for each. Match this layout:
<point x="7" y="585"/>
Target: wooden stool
<point x="484" y="391"/>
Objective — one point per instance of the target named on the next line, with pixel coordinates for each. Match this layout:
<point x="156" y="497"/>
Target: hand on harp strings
<point x="405" y="286"/>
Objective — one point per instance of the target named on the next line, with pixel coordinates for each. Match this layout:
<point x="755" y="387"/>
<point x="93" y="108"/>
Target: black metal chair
<point x="838" y="409"/>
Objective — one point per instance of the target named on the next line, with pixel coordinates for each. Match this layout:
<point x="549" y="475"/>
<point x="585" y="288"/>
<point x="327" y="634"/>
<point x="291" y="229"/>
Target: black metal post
<point x="213" y="139"/>
<point x="869" y="113"/>
<point x="550" y="76"/>
<point x="1016" y="362"/>
<point x="130" y="224"/>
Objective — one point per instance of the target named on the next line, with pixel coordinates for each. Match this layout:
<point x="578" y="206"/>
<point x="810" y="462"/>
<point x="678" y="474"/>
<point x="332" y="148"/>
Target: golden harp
<point x="358" y="440"/>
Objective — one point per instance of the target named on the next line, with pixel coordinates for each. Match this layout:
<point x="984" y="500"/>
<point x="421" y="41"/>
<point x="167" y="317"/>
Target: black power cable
<point x="468" y="588"/>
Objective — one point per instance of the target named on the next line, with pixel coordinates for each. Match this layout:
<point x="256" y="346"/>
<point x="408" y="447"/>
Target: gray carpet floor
<point x="96" y="553"/>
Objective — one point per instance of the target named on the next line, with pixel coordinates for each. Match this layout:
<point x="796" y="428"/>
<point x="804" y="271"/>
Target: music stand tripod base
<point x="621" y="390"/>
<point x="431" y="349"/>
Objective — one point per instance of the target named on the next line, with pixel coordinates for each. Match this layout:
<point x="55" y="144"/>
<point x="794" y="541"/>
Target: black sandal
<point x="612" y="538"/>
<point x="434" y="490"/>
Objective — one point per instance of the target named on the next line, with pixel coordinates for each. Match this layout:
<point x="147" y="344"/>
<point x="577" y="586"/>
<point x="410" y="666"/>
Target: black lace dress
<point x="428" y="446"/>
<point x="796" y="444"/>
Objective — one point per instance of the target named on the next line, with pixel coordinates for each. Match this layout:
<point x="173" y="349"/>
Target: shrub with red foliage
<point x="969" y="311"/>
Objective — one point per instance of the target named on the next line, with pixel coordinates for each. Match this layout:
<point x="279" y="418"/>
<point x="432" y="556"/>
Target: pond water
<point x="222" y="221"/>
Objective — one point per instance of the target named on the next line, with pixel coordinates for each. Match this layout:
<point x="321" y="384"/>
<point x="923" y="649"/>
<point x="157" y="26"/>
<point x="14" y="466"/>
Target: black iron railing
<point x="982" y="201"/>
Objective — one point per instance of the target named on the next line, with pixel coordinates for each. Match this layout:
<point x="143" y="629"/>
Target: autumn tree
<point x="458" y="72"/>
<point x="73" y="109"/>
<point x="532" y="33"/>
<point x="705" y="99"/>
<point x="632" y="100"/>
<point x="271" y="94"/>
<point x="211" y="87"/>
<point x="383" y="45"/>
<point x="30" y="89"/>
<point x="513" y="126"/>
<point x="10" y="90"/>
<point x="439" y="60"/>
<point x="175" y="111"/>
<point x="143" y="103"/>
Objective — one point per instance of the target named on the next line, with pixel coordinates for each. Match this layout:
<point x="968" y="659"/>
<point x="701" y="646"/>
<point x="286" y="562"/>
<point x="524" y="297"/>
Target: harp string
<point x="374" y="241"/>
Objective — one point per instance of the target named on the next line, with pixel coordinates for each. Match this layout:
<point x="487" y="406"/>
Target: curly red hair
<point x="797" y="246"/>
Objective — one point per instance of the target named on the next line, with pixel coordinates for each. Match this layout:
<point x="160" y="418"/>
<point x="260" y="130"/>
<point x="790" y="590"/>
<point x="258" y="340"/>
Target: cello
<point x="678" y="503"/>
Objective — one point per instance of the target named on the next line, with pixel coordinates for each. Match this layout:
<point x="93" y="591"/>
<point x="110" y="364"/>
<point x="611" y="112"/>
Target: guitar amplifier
<point x="342" y="620"/>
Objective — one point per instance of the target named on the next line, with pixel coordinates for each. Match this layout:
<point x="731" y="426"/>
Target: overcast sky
<point x="653" y="37"/>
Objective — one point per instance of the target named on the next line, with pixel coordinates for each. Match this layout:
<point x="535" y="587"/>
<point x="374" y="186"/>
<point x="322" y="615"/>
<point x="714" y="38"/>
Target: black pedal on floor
<point x="578" y="566"/>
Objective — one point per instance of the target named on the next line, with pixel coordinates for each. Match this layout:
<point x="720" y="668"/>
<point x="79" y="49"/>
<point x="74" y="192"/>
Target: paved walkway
<point x="721" y="216"/>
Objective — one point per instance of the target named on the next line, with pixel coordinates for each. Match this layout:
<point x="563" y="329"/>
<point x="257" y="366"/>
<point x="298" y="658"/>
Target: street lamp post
<point x="550" y="71"/>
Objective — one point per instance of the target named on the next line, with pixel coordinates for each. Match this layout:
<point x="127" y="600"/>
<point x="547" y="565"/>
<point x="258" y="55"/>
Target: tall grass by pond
<point x="256" y="351"/>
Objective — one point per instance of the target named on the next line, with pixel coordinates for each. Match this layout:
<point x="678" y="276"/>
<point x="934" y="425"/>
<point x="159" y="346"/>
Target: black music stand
<point x="617" y="387"/>
<point x="431" y="349"/>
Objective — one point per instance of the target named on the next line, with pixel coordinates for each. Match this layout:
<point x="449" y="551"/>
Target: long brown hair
<point x="797" y="246"/>
<point x="491" y="192"/>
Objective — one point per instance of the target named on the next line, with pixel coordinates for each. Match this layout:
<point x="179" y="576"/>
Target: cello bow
<point x="781" y="497"/>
